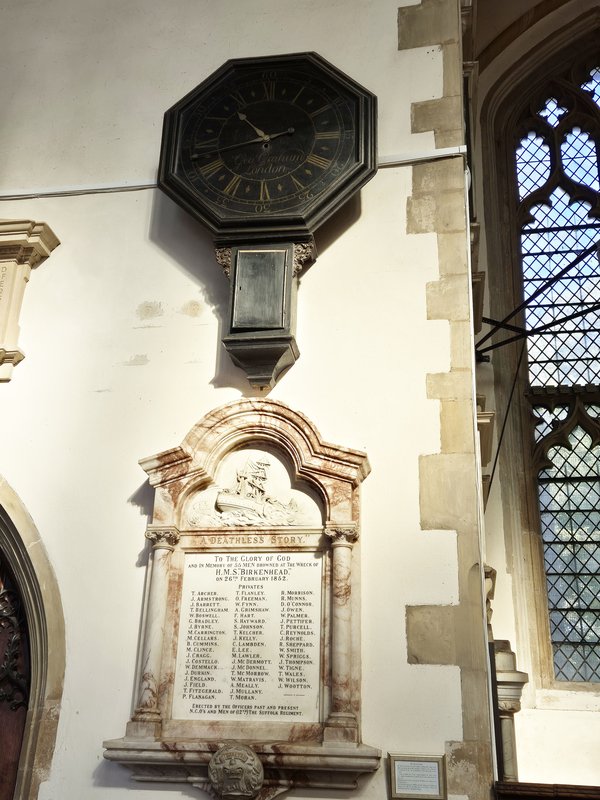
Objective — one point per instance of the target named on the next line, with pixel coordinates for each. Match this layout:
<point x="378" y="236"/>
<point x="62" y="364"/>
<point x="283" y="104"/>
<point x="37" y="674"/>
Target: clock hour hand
<point x="281" y="133"/>
<point x="258" y="131"/>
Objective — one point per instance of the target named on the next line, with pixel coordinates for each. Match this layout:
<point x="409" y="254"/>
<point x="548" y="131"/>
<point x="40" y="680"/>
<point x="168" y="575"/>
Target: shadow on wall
<point x="338" y="224"/>
<point x="191" y="247"/>
<point x="143" y="500"/>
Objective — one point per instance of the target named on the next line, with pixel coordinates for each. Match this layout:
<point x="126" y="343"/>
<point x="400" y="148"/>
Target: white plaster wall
<point x="562" y="744"/>
<point x="91" y="79"/>
<point x="121" y="330"/>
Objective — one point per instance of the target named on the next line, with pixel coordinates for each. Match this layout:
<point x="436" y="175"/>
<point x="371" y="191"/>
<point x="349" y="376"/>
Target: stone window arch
<point x="22" y="549"/>
<point x="541" y="139"/>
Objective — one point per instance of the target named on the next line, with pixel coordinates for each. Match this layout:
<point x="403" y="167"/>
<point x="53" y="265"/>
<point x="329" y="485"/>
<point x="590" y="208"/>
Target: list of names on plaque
<point x="249" y="638"/>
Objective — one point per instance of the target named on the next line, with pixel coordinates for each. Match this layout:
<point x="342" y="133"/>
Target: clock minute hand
<point x="227" y="147"/>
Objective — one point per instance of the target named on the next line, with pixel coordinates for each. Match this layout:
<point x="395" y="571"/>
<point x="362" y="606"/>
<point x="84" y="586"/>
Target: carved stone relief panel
<point x="252" y="487"/>
<point x="251" y="635"/>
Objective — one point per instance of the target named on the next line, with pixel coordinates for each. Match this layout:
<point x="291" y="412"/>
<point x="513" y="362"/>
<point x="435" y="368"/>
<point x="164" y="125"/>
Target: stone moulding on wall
<point x="24" y="245"/>
<point x="256" y="454"/>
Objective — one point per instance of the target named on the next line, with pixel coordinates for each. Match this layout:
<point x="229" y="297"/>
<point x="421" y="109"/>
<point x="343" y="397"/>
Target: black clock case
<point x="230" y="227"/>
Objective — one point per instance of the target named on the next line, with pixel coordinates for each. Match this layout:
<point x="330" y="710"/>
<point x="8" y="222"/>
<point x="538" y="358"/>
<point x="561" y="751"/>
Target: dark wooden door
<point x="14" y="679"/>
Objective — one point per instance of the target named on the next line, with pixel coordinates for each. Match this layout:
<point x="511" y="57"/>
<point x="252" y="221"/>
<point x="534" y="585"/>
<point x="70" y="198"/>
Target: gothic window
<point x="558" y="216"/>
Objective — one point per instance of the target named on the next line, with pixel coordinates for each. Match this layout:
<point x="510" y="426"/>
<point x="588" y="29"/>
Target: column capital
<point x="509" y="706"/>
<point x="510" y="681"/>
<point x="163" y="538"/>
<point x="341" y="534"/>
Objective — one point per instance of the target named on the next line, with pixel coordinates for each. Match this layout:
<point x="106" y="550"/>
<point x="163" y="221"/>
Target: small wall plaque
<point x="414" y="776"/>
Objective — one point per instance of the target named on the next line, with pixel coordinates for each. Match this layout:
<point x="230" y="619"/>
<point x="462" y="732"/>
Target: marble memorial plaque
<point x="251" y="623"/>
<point x="249" y="643"/>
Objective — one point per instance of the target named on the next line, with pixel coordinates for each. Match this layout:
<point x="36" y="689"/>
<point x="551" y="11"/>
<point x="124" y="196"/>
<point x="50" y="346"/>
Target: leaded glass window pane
<point x="569" y="497"/>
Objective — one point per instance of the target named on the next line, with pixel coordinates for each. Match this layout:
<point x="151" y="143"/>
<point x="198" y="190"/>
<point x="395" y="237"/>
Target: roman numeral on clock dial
<point x="233" y="185"/>
<point x="318" y="161"/>
<point x="210" y="169"/>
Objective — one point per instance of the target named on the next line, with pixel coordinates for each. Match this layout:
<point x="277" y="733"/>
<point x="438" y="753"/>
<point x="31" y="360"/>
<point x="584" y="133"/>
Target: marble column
<point x="510" y="688"/>
<point x="341" y="723"/>
<point x="163" y="542"/>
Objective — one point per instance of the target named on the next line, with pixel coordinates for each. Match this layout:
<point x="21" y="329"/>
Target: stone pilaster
<point x="341" y="722"/>
<point x="147" y="706"/>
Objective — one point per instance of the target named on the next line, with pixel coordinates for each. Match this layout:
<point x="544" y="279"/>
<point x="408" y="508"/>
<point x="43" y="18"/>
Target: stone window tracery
<point x="557" y="196"/>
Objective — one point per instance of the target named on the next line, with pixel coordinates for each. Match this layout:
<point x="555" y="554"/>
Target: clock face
<point x="270" y="142"/>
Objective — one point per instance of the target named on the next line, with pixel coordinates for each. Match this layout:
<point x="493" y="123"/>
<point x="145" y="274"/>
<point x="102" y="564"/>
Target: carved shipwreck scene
<point x="251" y="637"/>
<point x="252" y="488"/>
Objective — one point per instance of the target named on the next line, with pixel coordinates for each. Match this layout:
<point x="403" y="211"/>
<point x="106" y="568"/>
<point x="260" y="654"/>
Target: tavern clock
<point x="262" y="153"/>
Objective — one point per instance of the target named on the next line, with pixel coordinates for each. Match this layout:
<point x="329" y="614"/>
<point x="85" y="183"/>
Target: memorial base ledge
<point x="334" y="765"/>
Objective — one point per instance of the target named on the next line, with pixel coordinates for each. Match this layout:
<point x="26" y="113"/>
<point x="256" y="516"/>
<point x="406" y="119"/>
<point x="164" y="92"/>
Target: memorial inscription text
<point x="250" y="637"/>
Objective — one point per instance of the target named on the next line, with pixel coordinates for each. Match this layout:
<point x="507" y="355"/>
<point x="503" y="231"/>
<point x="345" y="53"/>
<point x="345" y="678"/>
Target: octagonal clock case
<point x="266" y="149"/>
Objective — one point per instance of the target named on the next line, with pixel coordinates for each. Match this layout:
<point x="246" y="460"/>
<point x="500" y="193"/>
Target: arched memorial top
<point x="333" y="472"/>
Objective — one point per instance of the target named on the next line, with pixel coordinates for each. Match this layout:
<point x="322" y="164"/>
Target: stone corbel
<point x="24" y="245"/>
<point x="490" y="588"/>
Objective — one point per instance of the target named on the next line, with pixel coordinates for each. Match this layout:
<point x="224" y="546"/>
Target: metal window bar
<point x="498" y="324"/>
<point x="542" y="328"/>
